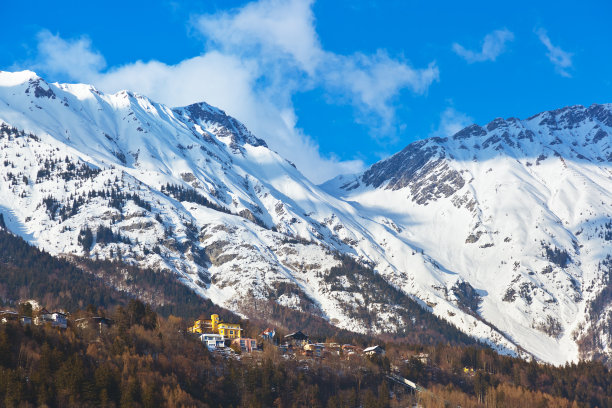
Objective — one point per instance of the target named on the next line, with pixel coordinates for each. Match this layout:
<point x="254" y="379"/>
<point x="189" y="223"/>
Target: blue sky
<point x="332" y="85"/>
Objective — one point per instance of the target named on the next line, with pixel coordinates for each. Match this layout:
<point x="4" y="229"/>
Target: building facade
<point x="213" y="341"/>
<point x="216" y="326"/>
<point x="246" y="345"/>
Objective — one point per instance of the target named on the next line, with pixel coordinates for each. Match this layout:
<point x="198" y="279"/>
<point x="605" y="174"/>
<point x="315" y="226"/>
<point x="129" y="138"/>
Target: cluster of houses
<point x="216" y="334"/>
<point x="299" y="343"/>
<point x="55" y="319"/>
<point x="222" y="336"/>
<point x="219" y="335"/>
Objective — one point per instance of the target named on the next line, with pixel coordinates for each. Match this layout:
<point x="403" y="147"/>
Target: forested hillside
<point x="145" y="360"/>
<point x="29" y="273"/>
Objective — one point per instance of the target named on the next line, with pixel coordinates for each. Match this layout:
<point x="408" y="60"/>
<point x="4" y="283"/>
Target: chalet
<point x="215" y="325"/>
<point x="8" y="315"/>
<point x="423" y="358"/>
<point x="349" y="349"/>
<point x="315" y="350"/>
<point x="59" y="320"/>
<point x="268" y="334"/>
<point x="56" y="319"/>
<point x="374" y="350"/>
<point x="246" y="345"/>
<point x="43" y="317"/>
<point x="213" y="341"/>
<point x="298" y="338"/>
<point x="333" y="348"/>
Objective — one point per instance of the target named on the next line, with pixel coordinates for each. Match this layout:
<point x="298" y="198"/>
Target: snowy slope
<point x="498" y="229"/>
<point x="519" y="209"/>
<point x="188" y="190"/>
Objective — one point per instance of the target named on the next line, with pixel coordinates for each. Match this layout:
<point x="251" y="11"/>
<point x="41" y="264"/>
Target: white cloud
<point x="280" y="35"/>
<point x="220" y="79"/>
<point x="451" y="122"/>
<point x="373" y="82"/>
<point x="279" y="30"/>
<point x="257" y="58"/>
<point x="74" y="58"/>
<point x="562" y="60"/>
<point x="493" y="45"/>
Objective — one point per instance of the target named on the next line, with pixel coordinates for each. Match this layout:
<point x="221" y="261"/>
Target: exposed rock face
<point x="422" y="167"/>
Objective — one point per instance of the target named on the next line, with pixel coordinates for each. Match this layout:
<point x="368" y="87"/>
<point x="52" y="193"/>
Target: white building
<point x="59" y="320"/>
<point x="56" y="319"/>
<point x="213" y="341"/>
<point x="370" y="351"/>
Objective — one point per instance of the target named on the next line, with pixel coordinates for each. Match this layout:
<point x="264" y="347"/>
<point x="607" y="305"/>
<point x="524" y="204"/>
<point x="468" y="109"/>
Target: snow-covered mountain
<point x="188" y="190"/>
<point x="503" y="230"/>
<point x="518" y="210"/>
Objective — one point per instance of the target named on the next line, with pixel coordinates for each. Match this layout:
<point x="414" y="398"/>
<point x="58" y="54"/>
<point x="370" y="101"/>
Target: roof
<point x="4" y="312"/>
<point x="233" y="325"/>
<point x="373" y="348"/>
<point x="313" y="345"/>
<point x="211" y="335"/>
<point x="104" y="319"/>
<point x="298" y="335"/>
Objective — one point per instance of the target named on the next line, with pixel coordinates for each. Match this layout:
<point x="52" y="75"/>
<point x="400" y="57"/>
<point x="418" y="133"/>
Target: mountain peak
<point x="8" y="78"/>
<point x="203" y="114"/>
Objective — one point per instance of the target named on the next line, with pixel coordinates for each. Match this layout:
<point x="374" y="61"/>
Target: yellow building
<point x="200" y="327"/>
<point x="230" y="330"/>
<point x="215" y="325"/>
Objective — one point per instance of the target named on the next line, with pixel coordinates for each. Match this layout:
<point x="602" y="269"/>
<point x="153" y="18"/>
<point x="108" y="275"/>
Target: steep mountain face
<point x="521" y="211"/>
<point x="502" y="230"/>
<point x="186" y="190"/>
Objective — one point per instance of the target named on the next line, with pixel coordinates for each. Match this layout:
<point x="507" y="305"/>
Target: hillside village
<point x="218" y="336"/>
<point x="224" y="337"/>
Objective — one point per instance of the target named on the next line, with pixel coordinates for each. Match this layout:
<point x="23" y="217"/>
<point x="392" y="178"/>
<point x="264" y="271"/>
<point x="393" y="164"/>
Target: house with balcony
<point x="56" y="319"/>
<point x="314" y="349"/>
<point x="268" y="334"/>
<point x="229" y="330"/>
<point x="297" y="339"/>
<point x="213" y="341"/>
<point x="245" y="345"/>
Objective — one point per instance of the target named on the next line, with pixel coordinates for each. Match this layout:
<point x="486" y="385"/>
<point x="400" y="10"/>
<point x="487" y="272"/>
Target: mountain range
<point x="503" y="230"/>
